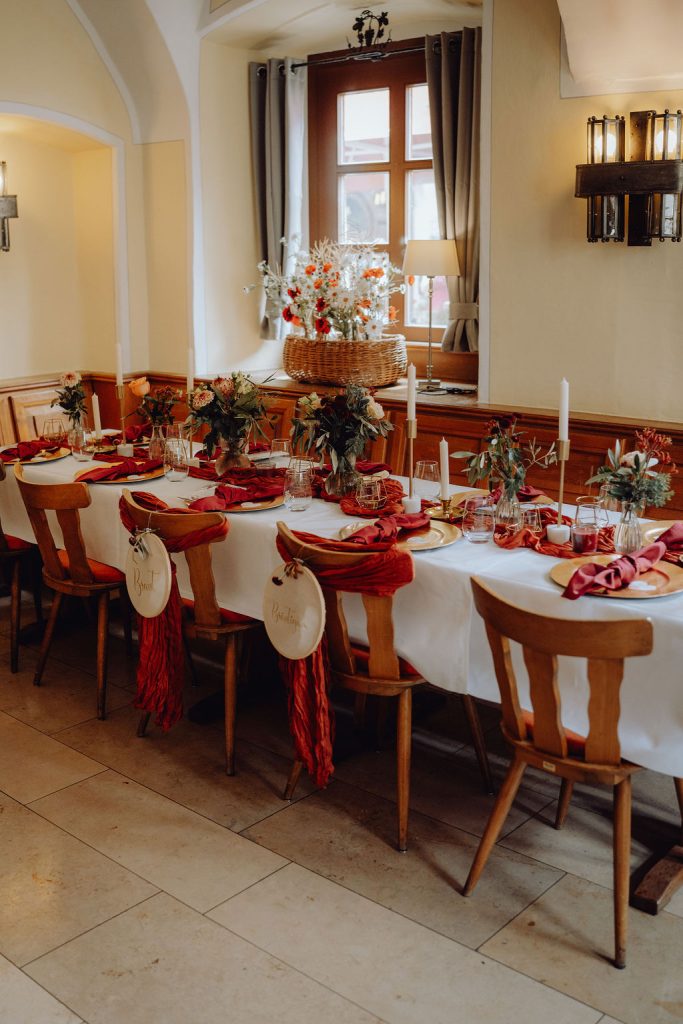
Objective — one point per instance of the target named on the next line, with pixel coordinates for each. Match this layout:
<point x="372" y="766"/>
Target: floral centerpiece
<point x="156" y="407"/>
<point x="339" y="426"/>
<point x="505" y="457"/>
<point x="630" y="478"/>
<point x="335" y="291"/>
<point x="71" y="397"/>
<point x="231" y="407"/>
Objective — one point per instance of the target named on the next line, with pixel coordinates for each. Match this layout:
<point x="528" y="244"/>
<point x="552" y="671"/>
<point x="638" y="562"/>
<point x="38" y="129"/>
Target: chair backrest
<point x="65" y="500"/>
<point x="383" y="660"/>
<point x="603" y="644"/>
<point x="172" y="527"/>
<point x="4" y="546"/>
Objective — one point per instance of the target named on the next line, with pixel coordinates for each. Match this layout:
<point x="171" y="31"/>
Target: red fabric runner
<point x="311" y="723"/>
<point x="161" y="670"/>
<point x="28" y="449"/>
<point x="615" y="576"/>
<point x="394" y="492"/>
<point x="526" y="539"/>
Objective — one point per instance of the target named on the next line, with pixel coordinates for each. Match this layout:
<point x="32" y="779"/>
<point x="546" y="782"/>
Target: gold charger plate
<point x="61" y="453"/>
<point x="134" y="478"/>
<point x="257" y="506"/>
<point x="100" y="449"/>
<point x="653" y="531"/>
<point x="436" y="535"/>
<point x="663" y="580"/>
<point x="458" y="499"/>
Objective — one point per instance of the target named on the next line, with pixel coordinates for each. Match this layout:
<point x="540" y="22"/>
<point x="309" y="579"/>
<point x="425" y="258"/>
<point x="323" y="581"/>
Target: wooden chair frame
<point x="66" y="500"/>
<point x="206" y="621"/>
<point x="16" y="559"/>
<point x="604" y="645"/>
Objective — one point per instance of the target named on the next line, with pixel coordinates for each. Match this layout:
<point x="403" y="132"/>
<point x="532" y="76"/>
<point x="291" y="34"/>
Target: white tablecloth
<point x="435" y="628"/>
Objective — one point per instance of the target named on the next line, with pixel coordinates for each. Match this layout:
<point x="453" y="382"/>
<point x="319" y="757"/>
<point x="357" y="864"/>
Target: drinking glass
<point x="371" y="493"/>
<point x="280" y="446"/>
<point x="427" y="479"/>
<point x="177" y="431"/>
<point x="77" y="441"/>
<point x="176" y="459"/>
<point x="478" y="519"/>
<point x="298" y="487"/>
<point x="54" y="430"/>
<point x="590" y="516"/>
<point x="531" y="520"/>
<point x="606" y="500"/>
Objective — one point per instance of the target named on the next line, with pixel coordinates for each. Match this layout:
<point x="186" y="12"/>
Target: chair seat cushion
<point x="576" y="745"/>
<point x="16" y="543"/>
<point x="102" y="573"/>
<point x="228" y="617"/>
<point x="362" y="656"/>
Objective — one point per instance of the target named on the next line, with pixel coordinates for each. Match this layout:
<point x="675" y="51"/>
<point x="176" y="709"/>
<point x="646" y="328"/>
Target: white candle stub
<point x="125" y="449"/>
<point x="411" y="505"/>
<point x="558" y="533"/>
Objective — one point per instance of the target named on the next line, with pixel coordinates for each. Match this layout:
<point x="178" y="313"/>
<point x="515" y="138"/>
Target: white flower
<point x="201" y="398"/>
<point x="628" y="459"/>
<point x="70" y="380"/>
<point x="375" y="410"/>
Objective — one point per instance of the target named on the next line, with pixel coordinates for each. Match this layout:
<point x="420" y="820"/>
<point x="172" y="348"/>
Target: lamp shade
<point x="431" y="258"/>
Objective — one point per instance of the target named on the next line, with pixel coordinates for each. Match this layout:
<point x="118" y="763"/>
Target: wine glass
<point x="176" y="459"/>
<point x="298" y="486"/>
<point x="427" y="480"/>
<point x="54" y="430"/>
<point x="478" y="519"/>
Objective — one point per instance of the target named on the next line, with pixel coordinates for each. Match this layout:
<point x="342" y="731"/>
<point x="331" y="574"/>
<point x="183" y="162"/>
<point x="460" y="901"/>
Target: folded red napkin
<point x="28" y="449"/>
<point x="259" y="446"/>
<point x="137" y="432"/>
<point x="121" y="468"/>
<point x="526" y="493"/>
<point x="673" y="541"/>
<point x="226" y="495"/>
<point x="615" y="576"/>
<point x="388" y="529"/>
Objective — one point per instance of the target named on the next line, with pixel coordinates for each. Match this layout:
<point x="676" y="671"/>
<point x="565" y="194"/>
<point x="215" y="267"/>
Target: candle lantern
<point x="664" y="143"/>
<point x="605" y="146"/>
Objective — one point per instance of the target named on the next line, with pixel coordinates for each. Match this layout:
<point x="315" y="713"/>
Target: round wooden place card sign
<point x="294" y="611"/>
<point x="148" y="575"/>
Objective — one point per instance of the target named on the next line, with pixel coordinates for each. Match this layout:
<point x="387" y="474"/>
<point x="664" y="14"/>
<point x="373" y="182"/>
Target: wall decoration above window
<point x="652" y="179"/>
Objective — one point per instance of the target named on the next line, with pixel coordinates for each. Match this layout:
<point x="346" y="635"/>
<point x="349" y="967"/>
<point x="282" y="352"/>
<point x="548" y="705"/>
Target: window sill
<point x="451" y="366"/>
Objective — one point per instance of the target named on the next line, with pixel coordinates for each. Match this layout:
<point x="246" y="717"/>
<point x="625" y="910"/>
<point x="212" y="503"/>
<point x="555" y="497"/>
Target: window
<point x="371" y="177"/>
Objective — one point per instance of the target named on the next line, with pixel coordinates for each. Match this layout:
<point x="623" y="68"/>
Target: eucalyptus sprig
<point x="630" y="476"/>
<point x="506" y="456"/>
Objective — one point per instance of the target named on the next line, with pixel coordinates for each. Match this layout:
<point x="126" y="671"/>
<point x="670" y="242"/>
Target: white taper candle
<point x="96" y="416"/>
<point x="190" y="369"/>
<point x="119" y="364"/>
<point x="563" y="431"/>
<point x="443" y="459"/>
<point x="412" y="390"/>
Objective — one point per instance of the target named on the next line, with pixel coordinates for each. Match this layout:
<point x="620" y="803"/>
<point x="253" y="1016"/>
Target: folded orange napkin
<point x="28" y="449"/>
<point x="525" y="493"/>
<point x="673" y="541"/>
<point x="539" y="542"/>
<point x="388" y="529"/>
<point x="122" y="468"/>
<point x="615" y="576"/>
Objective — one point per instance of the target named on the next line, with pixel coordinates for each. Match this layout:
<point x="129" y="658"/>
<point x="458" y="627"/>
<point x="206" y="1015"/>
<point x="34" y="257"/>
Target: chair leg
<point x="359" y="708"/>
<point x="37" y="586"/>
<point x="126" y="615"/>
<point x="622" y="857"/>
<point x="508" y="792"/>
<point x="143" y="723"/>
<point x="47" y="637"/>
<point x="14" y="616"/>
<point x="678" y="783"/>
<point x="194" y="678"/>
<point x="230" y="703"/>
<point x="293" y="779"/>
<point x="563" y="803"/>
<point x="404" y="729"/>
<point x="478" y="741"/>
<point x="102" y="643"/>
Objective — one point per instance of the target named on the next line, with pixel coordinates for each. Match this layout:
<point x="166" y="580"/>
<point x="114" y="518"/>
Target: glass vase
<point x="509" y="512"/>
<point x="232" y="455"/>
<point x="627" y="536"/>
<point x="156" y="442"/>
<point x="344" y="479"/>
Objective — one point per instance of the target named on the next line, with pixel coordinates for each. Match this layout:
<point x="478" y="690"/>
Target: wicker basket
<point x="371" y="363"/>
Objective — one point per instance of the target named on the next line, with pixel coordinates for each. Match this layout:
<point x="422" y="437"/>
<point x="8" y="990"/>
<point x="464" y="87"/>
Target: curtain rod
<point x="374" y="56"/>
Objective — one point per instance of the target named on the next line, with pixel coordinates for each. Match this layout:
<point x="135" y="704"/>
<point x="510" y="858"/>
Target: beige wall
<point x="230" y="250"/>
<point x="608" y="317"/>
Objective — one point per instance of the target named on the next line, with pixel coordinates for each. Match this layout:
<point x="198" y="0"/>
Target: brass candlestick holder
<point x="123" y="448"/>
<point x="562" y="458"/>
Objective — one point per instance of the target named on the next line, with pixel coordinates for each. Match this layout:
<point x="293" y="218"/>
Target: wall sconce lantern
<point x="652" y="179"/>
<point x="8" y="208"/>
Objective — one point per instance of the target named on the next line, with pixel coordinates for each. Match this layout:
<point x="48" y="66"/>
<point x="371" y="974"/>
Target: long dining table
<point x="435" y="628"/>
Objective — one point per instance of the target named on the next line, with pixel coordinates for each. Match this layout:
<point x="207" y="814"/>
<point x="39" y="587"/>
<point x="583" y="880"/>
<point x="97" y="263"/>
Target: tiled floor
<point x="139" y="884"/>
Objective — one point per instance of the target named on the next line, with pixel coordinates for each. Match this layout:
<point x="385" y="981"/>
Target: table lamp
<point x="431" y="258"/>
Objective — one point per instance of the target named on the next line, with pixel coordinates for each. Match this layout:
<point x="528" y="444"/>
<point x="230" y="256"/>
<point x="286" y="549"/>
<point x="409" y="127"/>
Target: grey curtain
<point x="277" y="98"/>
<point x="454" y="84"/>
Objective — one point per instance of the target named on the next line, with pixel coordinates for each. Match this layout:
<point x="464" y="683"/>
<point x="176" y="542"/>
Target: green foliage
<point x="339" y="425"/>
<point x="629" y="476"/>
<point x="505" y="457"/>
<point x="231" y="407"/>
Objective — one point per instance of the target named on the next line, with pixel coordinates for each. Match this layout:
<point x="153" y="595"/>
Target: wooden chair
<point x="69" y="572"/>
<point x="202" y="616"/>
<point x="16" y="553"/>
<point x="375" y="670"/>
<point x="540" y="739"/>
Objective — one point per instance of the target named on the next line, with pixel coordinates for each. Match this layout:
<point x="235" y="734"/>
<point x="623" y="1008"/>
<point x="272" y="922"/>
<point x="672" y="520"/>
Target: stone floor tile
<point x="54" y="887"/>
<point x="33" y="765"/>
<point x="163" y="961"/>
<point x="348" y="835"/>
<point x="182" y="853"/>
<point x="566" y="940"/>
<point x="395" y="968"/>
<point x="25" y="1002"/>
<point x="187" y="764"/>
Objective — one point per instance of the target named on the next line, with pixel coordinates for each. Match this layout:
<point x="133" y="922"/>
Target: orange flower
<point x="296" y="320"/>
<point x="310" y="269"/>
<point x="393" y="312"/>
<point x="365" y="303"/>
<point x="326" y="267"/>
<point x="139" y="387"/>
<point x="411" y="279"/>
<point x="318" y="283"/>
